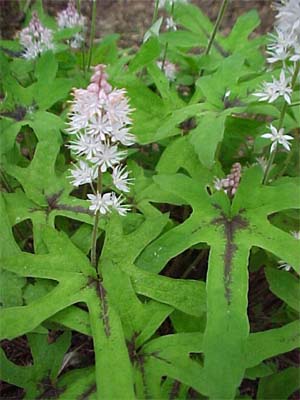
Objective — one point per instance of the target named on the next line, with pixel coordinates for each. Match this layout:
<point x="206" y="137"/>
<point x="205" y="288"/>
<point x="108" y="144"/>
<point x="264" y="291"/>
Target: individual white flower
<point x="296" y="234"/>
<point x="278" y="137"/>
<point x="101" y="203"/>
<point x="99" y="125"/>
<point x="107" y="156"/>
<point x="85" y="145"/>
<point x="218" y="184"/>
<point x="170" y="24"/>
<point x="283" y="265"/>
<point x="117" y="107"/>
<point x="169" y="69"/>
<point x="296" y="56"/>
<point x="82" y="174"/>
<point x="36" y="39"/>
<point x="120" y="178"/>
<point x="117" y="204"/>
<point x="77" y="122"/>
<point x="86" y="102"/>
<point x="272" y="90"/>
<point x="122" y="134"/>
<point x="280" y="49"/>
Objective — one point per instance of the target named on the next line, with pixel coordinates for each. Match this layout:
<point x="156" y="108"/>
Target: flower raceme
<point x="100" y="122"/>
<point x="35" y="38"/>
<point x="70" y="18"/>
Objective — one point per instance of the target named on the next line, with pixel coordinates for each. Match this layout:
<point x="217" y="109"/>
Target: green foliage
<point x="167" y="309"/>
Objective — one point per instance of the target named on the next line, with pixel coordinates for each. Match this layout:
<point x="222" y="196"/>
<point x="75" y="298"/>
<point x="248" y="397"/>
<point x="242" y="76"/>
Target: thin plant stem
<point x="155" y="13"/>
<point x="194" y="264"/>
<point x="285" y="164"/>
<point x="26" y="6"/>
<point x="83" y="44"/>
<point x="215" y="30"/>
<point x="92" y="33"/>
<point x="96" y="223"/>
<point x="280" y="124"/>
<point x="297" y="103"/>
<point x="167" y="44"/>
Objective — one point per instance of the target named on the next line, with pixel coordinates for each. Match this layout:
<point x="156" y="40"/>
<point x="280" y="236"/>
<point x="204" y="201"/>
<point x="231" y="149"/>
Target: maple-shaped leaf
<point x="125" y="321"/>
<point x="231" y="230"/>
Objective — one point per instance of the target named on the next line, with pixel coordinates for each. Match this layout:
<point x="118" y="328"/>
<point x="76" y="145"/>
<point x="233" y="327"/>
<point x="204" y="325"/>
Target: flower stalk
<point x="92" y="33"/>
<point x="280" y="125"/>
<point x="99" y="122"/>
<point x="96" y="224"/>
<point x="215" y="30"/>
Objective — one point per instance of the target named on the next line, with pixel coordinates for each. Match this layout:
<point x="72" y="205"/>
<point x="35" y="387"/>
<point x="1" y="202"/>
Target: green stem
<point x="96" y="223"/>
<point x="83" y="44"/>
<point x="285" y="164"/>
<point x="215" y="30"/>
<point x="167" y="44"/>
<point x="280" y="124"/>
<point x="26" y="6"/>
<point x="92" y="33"/>
<point x="297" y="103"/>
<point x="155" y="13"/>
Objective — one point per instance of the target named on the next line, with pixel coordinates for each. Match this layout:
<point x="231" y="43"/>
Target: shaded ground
<point x="131" y="18"/>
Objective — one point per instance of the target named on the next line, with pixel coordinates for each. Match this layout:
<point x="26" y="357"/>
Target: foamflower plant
<point x="100" y="122"/>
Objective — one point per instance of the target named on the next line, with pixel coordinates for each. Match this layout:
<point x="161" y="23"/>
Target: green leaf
<point x="243" y="27"/>
<point x="170" y="356"/>
<point x="110" y="347"/>
<point x="46" y="67"/>
<point x="206" y="137"/>
<point x="270" y="343"/>
<point x="148" y="52"/>
<point x="77" y="383"/>
<point x="230" y="231"/>
<point x="192" y="18"/>
<point x="47" y="359"/>
<point x="279" y="386"/>
<point x="106" y="51"/>
<point x="11" y="287"/>
<point x="285" y="286"/>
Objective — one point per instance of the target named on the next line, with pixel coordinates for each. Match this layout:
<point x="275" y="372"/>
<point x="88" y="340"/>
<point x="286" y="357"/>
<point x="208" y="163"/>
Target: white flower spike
<point x="70" y="18"/>
<point x="100" y="119"/>
<point x="36" y="39"/>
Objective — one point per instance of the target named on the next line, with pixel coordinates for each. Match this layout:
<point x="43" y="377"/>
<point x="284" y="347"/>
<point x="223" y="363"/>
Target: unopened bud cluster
<point x="100" y="122"/>
<point x="35" y="38"/>
<point x="231" y="182"/>
<point x="70" y="18"/>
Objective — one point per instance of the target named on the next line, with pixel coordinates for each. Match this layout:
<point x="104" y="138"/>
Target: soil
<point x="131" y="18"/>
